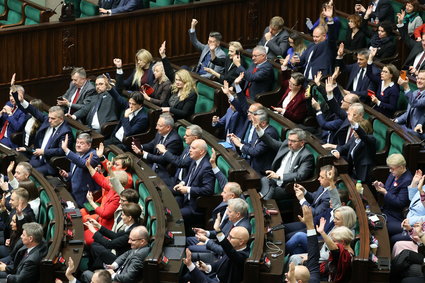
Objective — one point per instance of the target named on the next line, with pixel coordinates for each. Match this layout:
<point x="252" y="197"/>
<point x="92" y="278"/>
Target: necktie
<point x="249" y="83"/>
<point x="189" y="180"/>
<point x="418" y="66"/>
<point x="77" y="95"/>
<point x="288" y="163"/>
<point x="155" y="165"/>
<point x="350" y="133"/>
<point x="6" y="123"/>
<point x="360" y="79"/>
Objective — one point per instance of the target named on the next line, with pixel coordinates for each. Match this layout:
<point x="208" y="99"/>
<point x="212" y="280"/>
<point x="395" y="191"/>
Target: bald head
<point x="319" y="34"/>
<point x="238" y="237"/>
<point x="302" y="273"/>
<point x="198" y="149"/>
<point x="348" y="100"/>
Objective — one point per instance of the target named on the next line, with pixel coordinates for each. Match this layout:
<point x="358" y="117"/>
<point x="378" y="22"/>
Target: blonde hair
<point x="342" y="235"/>
<point x="189" y="84"/>
<point x="348" y="215"/>
<point x="236" y="44"/>
<point x="163" y="77"/>
<point x="396" y="159"/>
<point x="145" y="56"/>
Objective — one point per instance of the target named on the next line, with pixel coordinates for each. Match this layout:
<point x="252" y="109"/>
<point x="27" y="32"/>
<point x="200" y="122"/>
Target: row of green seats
<point x="16" y="12"/>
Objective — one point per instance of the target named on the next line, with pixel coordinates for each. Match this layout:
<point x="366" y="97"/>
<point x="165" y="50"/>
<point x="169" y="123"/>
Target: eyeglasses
<point x="231" y="237"/>
<point x="293" y="141"/>
<point x="252" y="113"/>
<point x="134" y="240"/>
<point x="257" y="55"/>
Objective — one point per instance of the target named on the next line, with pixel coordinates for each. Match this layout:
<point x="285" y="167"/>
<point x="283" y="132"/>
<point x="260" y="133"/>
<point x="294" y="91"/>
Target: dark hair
<point x="388" y="27"/>
<point x="125" y="159"/>
<point x="414" y="3"/>
<point x="299" y="78"/>
<point x="137" y="97"/>
<point x="131" y="195"/>
<point x="133" y="210"/>
<point x="31" y="189"/>
<point x="356" y="19"/>
<point x="216" y="35"/>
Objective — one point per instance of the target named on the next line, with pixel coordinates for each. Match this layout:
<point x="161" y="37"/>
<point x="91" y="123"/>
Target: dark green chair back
<point x="396" y="144"/>
<point x="224" y="168"/>
<point x="14" y="15"/>
<point x="2" y="6"/>
<point x="205" y="100"/>
<point x="315" y="154"/>
<point x="161" y="3"/>
<point x="397" y="6"/>
<point x="342" y="35"/>
<point x="279" y="127"/>
<point x="380" y="134"/>
<point x="32" y="15"/>
<point x="88" y="9"/>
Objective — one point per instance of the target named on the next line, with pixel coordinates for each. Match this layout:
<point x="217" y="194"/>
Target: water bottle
<point x="359" y="187"/>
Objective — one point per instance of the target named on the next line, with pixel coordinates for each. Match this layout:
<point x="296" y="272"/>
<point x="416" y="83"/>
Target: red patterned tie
<point x="6" y="123"/>
<point x="249" y="84"/>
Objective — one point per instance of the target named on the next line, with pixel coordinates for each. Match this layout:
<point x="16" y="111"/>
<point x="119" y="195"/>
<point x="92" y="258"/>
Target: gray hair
<point x="168" y="119"/>
<point x="238" y="205"/>
<point x="34" y="230"/>
<point x="260" y="49"/>
<point x="58" y="110"/>
<point x="195" y="130"/>
<point x="216" y="35"/>
<point x="358" y="108"/>
<point x="234" y="188"/>
<point x="262" y="115"/>
<point x="85" y="136"/>
<point x="299" y="132"/>
<point x="17" y="88"/>
<point x="364" y="52"/>
<point x="142" y="231"/>
<point x="26" y="166"/>
<point x="80" y="71"/>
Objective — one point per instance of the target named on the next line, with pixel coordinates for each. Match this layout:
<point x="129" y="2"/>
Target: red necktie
<point x="77" y="95"/>
<point x="420" y="62"/>
<point x="6" y="123"/>
<point x="249" y="84"/>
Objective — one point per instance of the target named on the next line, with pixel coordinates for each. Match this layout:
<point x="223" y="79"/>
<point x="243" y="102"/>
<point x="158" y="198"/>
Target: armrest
<point x="17" y="138"/>
<point x="107" y="128"/>
<point x="61" y="162"/>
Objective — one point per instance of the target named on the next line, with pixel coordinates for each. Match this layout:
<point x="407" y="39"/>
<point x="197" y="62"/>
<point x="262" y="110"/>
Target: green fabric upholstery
<point x="253" y="227"/>
<point x="14" y="15"/>
<point x="205" y="100"/>
<point x="146" y="3"/>
<point x="343" y="29"/>
<point x="279" y="127"/>
<point x="160" y="3"/>
<point x="380" y="134"/>
<point x="224" y="168"/>
<point x="135" y="178"/>
<point x="44" y="198"/>
<point x="32" y="15"/>
<point x="182" y="131"/>
<point x="250" y="206"/>
<point x="182" y="1"/>
<point x="2" y="6"/>
<point x="397" y="6"/>
<point x="88" y="9"/>
<point x="315" y="154"/>
<point x="50" y="232"/>
<point x="246" y="60"/>
<point x="111" y="156"/>
<point x="153" y="228"/>
<point x="396" y="144"/>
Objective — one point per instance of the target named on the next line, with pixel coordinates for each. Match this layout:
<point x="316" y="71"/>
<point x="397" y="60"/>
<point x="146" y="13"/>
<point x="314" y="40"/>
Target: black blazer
<point x="112" y="240"/>
<point x="355" y="43"/>
<point x="230" y="70"/>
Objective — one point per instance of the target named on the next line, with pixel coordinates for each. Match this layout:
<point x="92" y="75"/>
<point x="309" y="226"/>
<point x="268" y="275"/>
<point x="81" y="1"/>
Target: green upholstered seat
<point x="279" y="127"/>
<point x="343" y="29"/>
<point x="14" y="15"/>
<point x="314" y="152"/>
<point x="88" y="9"/>
<point x="161" y="3"/>
<point x="224" y="168"/>
<point x="2" y="6"/>
<point x="182" y="1"/>
<point x="380" y="134"/>
<point x="396" y="144"/>
<point x="205" y="100"/>
<point x="253" y="226"/>
<point x="397" y="6"/>
<point x="32" y="15"/>
<point x="250" y="206"/>
<point x="111" y="156"/>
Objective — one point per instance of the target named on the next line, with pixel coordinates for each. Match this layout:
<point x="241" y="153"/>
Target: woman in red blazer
<point x="293" y="104"/>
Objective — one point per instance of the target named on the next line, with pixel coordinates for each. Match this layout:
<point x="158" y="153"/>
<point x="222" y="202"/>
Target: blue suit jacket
<point x="137" y="125"/>
<point x="127" y="6"/>
<point x="313" y="259"/>
<point x="174" y="146"/>
<point x="388" y="97"/>
<point x="16" y="124"/>
<point x="81" y="180"/>
<point x="317" y="204"/>
<point x="182" y="162"/>
<point x="397" y="197"/>
<point x="231" y="122"/>
<point x="323" y="54"/>
<point x="363" y="85"/>
<point x="260" y="81"/>
<point x="201" y="183"/>
<point x="415" y="109"/>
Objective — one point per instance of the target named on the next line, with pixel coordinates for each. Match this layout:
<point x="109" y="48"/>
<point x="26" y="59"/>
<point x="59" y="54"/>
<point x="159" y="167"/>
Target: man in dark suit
<point x="167" y="136"/>
<point x="413" y="119"/>
<point x="231" y="122"/>
<point x="358" y="83"/>
<point x="123" y="6"/>
<point x="360" y="149"/>
<point x="25" y="265"/>
<point x="198" y="182"/>
<point x="182" y="161"/>
<point x="12" y="119"/>
<point x="101" y="109"/>
<point x="310" y="272"/>
<point x="317" y="200"/>
<point x="79" y="176"/>
<point x="214" y="39"/>
<point x="128" y="267"/>
<point x="259" y="77"/>
<point x="236" y="215"/>
<point x="319" y="55"/>
<point x="80" y="89"/>
<point x="382" y="10"/>
<point x="49" y="136"/>
<point x="292" y="163"/>
<point x="229" y="268"/>
<point x="342" y="134"/>
<point x="134" y="118"/>
<point x="415" y="60"/>
<point x="275" y="38"/>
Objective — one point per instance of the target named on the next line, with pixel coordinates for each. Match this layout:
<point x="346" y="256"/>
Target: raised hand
<point x="100" y="150"/>
<point x="64" y="144"/>
<point x="162" y="50"/>
<point x="117" y="63"/>
<point x="12" y="80"/>
<point x="330" y="86"/>
<point x="193" y="23"/>
<point x="10" y="167"/>
<point x="340" y="51"/>
<point x="317" y="78"/>
<point x="213" y="158"/>
<point x="321" y="228"/>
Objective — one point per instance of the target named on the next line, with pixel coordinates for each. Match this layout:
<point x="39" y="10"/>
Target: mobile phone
<point x="279" y="57"/>
<point x="136" y="142"/>
<point x="370" y="93"/>
<point x="238" y="53"/>
<point x="403" y="74"/>
<point x="60" y="98"/>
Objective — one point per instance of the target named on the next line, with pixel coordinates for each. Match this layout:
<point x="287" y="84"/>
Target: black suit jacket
<point x="230" y="69"/>
<point x="131" y="263"/>
<point x="86" y="91"/>
<point x="363" y="158"/>
<point x="174" y="146"/>
<point x="384" y="11"/>
<point x="278" y="45"/>
<point x="229" y="269"/>
<point x="182" y="162"/>
<point x="414" y="46"/>
<point x="112" y="240"/>
<point x="25" y="268"/>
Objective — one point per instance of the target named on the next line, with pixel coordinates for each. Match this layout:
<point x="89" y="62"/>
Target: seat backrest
<point x="342" y="29"/>
<point x="279" y="127"/>
<point x="315" y="154"/>
<point x="2" y="6"/>
<point x="205" y="100"/>
<point x="88" y="9"/>
<point x="224" y="168"/>
<point x="14" y="15"/>
<point x="396" y="144"/>
<point x="397" y="6"/>
<point x="32" y="15"/>
<point x="380" y="134"/>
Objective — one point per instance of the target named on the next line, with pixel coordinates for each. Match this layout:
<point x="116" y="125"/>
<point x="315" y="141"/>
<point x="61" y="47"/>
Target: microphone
<point x="296" y="22"/>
